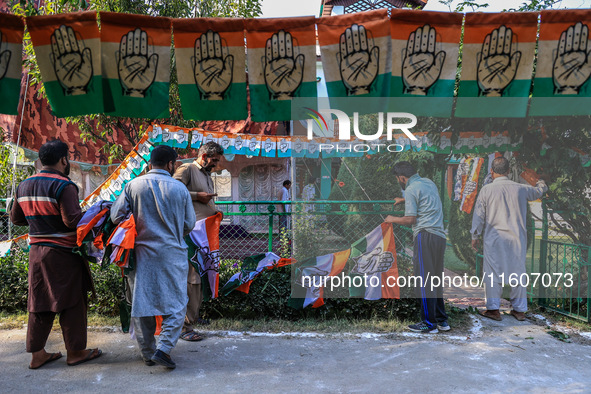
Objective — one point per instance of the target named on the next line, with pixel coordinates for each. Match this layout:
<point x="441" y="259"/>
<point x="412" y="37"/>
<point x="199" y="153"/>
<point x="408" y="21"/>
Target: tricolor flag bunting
<point x="497" y="64"/>
<point x="563" y="70"/>
<point x="204" y="253"/>
<point x="251" y="268"/>
<point x="356" y="56"/>
<point x="136" y="65"/>
<point x="68" y="52"/>
<point x="11" y="66"/>
<point x="210" y="62"/>
<point x="311" y="276"/>
<point x="374" y="258"/>
<point x="425" y="47"/>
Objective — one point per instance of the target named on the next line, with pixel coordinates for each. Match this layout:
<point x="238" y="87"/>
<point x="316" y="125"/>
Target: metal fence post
<point x="588" y="265"/>
<point x="543" y="251"/>
<point x="271" y="209"/>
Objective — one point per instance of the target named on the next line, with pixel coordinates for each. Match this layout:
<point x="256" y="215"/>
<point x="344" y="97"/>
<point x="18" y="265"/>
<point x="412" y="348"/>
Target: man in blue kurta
<point x="163" y="214"/>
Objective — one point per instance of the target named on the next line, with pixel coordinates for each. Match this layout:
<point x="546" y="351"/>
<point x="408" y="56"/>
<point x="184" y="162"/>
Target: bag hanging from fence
<point x="68" y="52"/>
<point x="136" y="65"/>
<point x="211" y="67"/>
<point x="11" y="66"/>
<point x="281" y="66"/>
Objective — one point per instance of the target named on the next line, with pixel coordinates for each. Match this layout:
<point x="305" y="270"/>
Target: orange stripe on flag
<point x="478" y="25"/>
<point x="339" y="262"/>
<point x="231" y="30"/>
<point x="42" y="27"/>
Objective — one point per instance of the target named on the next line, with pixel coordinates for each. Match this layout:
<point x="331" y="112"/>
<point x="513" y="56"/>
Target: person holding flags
<point x="424" y="212"/>
<point x="163" y="214"/>
<point x="196" y="177"/>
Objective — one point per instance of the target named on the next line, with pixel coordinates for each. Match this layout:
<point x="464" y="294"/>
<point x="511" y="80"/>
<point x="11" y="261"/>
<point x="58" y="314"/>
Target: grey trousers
<point x="145" y="327"/>
<point x="493" y="297"/>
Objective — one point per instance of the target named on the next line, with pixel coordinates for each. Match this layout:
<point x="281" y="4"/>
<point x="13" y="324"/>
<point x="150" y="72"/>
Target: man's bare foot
<point x="41" y="358"/>
<point x="82" y="356"/>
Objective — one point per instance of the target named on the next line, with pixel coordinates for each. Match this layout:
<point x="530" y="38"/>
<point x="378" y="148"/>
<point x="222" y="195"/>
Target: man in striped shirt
<point x="47" y="202"/>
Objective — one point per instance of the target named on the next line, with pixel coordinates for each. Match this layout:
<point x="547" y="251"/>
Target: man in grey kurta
<point x="163" y="214"/>
<point x="500" y="218"/>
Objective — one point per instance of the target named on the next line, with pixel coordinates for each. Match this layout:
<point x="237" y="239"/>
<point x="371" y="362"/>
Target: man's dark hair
<point x="500" y="166"/>
<point x="51" y="152"/>
<point x="404" y="168"/>
<point x="162" y="155"/>
<point x="287" y="182"/>
<point x="211" y="148"/>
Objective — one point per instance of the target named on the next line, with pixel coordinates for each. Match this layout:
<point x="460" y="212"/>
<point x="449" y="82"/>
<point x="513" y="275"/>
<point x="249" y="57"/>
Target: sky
<point x="283" y="8"/>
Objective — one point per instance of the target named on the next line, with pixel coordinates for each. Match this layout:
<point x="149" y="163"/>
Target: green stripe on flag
<point x="10" y="90"/>
<point x="264" y="109"/>
<point x="233" y="107"/>
<point x="82" y="104"/>
<point x="153" y="106"/>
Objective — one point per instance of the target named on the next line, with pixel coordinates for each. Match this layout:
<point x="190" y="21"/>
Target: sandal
<point x="92" y="354"/>
<point x="52" y="357"/>
<point x="191" y="336"/>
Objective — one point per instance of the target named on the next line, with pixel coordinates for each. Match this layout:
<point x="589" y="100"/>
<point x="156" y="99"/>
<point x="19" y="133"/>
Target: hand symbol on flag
<point x="71" y="62"/>
<point x="4" y="59"/>
<point x="497" y="63"/>
<point x="421" y="67"/>
<point x="212" y="71"/>
<point x="283" y="73"/>
<point x="358" y="62"/>
<point x="572" y="66"/>
<point x="137" y="63"/>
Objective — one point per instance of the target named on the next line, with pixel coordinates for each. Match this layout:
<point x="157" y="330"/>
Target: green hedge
<point x="267" y="299"/>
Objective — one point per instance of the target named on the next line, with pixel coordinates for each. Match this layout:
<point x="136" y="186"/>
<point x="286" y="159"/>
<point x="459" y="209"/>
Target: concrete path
<point x="492" y="357"/>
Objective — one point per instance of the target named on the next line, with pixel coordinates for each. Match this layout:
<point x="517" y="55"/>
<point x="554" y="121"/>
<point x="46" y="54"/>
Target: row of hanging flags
<point x="410" y="57"/>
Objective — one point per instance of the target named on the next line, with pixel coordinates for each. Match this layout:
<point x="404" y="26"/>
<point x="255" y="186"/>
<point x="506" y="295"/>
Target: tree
<point x="101" y="127"/>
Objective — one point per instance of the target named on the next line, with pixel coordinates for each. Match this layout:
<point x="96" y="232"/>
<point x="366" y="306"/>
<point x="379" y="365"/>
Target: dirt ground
<point x="491" y="357"/>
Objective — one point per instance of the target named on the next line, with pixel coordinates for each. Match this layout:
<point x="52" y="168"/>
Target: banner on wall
<point x="563" y="70"/>
<point x="11" y="66"/>
<point x="68" y="53"/>
<point x="136" y="65"/>
<point x="281" y="64"/>
<point x="425" y="48"/>
<point x="210" y="62"/>
<point x="497" y="64"/>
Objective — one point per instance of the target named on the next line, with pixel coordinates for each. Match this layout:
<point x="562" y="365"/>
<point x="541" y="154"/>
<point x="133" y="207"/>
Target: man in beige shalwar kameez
<point x="500" y="218"/>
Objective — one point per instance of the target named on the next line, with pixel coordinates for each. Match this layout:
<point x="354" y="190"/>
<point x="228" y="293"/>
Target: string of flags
<point x="409" y="58"/>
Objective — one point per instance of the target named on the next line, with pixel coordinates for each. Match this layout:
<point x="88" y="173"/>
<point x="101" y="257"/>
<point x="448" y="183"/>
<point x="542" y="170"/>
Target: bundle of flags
<point x="93" y="230"/>
<point x="374" y="256"/>
<point x="204" y="253"/>
<point x="122" y="242"/>
<point x="251" y="268"/>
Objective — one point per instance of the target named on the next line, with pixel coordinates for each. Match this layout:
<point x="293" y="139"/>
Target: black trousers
<point x="429" y="250"/>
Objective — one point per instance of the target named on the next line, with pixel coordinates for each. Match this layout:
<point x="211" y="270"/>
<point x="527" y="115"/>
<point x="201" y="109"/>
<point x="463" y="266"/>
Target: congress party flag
<point x="563" y="70"/>
<point x="310" y="277"/>
<point x="176" y="137"/>
<point x="210" y="62"/>
<point x="136" y="65"/>
<point x="356" y="56"/>
<point x="425" y="47"/>
<point x="240" y="146"/>
<point x="251" y="268"/>
<point x="11" y="48"/>
<point x="196" y="138"/>
<point x="281" y="65"/>
<point x="269" y="147"/>
<point x="283" y="146"/>
<point x="68" y="52"/>
<point x="374" y="257"/>
<point x="299" y="146"/>
<point x="204" y="253"/>
<point x="497" y="64"/>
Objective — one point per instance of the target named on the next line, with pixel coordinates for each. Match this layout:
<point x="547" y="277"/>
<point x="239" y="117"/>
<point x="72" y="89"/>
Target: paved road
<point x="493" y="357"/>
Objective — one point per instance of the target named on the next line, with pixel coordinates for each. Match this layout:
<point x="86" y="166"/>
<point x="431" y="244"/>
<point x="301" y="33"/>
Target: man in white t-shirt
<point x="284" y="195"/>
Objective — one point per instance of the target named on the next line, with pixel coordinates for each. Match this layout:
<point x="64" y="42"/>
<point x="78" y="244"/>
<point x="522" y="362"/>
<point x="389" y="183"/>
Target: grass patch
<point x="15" y="321"/>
